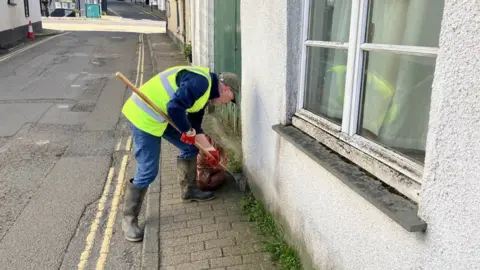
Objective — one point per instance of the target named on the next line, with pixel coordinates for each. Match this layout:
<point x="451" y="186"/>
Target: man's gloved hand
<point x="189" y="137"/>
<point x="215" y="160"/>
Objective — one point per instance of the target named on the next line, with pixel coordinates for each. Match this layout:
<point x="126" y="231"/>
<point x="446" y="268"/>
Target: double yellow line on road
<point x="89" y="241"/>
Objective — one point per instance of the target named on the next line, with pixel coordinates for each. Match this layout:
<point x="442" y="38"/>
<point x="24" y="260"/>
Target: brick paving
<point x="204" y="235"/>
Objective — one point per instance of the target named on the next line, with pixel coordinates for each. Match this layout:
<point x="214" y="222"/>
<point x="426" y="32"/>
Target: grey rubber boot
<point x="132" y="203"/>
<point x="187" y="176"/>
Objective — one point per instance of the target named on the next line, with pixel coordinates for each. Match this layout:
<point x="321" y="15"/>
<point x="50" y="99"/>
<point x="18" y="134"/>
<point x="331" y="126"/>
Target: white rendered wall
<point x="161" y="5"/>
<point x="202" y="32"/>
<point x="338" y="228"/>
<point x="451" y="190"/>
<point x="14" y="16"/>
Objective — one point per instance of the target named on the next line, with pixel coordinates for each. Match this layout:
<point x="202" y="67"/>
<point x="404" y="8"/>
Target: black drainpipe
<point x="184" y="26"/>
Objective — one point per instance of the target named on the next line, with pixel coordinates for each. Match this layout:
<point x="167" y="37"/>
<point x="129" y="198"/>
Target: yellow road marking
<point x="143" y="61"/>
<point x="139" y="63"/>
<point x="114" y="12"/>
<point x="119" y="143"/>
<point x="93" y="228"/>
<point x="111" y="218"/>
<point x="128" y="147"/>
<point x="3" y="58"/>
<point x="116" y="197"/>
<point x="139" y="78"/>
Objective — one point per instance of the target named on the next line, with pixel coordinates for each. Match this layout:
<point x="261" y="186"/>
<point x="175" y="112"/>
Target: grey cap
<point x="232" y="80"/>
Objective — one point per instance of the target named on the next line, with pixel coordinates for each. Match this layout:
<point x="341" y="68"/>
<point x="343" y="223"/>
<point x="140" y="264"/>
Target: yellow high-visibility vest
<point x="382" y="88"/>
<point x="160" y="90"/>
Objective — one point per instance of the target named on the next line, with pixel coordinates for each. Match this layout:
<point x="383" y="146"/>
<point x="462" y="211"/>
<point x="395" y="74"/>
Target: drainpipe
<point x="193" y="17"/>
<point x="166" y="10"/>
<point x="184" y="21"/>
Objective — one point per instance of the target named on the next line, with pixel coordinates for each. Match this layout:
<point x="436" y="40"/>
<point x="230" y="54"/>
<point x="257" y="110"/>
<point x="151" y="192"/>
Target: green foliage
<point x="234" y="165"/>
<point x="187" y="50"/>
<point x="284" y="255"/>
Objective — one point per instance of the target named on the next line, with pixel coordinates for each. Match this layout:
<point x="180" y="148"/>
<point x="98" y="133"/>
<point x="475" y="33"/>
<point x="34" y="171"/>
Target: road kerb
<point x="151" y="247"/>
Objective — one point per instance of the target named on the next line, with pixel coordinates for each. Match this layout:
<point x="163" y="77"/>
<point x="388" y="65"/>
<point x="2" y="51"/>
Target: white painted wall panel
<point x="202" y="32"/>
<point x="14" y="16"/>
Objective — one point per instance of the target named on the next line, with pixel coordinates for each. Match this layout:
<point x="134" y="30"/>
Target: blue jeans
<point x="147" y="153"/>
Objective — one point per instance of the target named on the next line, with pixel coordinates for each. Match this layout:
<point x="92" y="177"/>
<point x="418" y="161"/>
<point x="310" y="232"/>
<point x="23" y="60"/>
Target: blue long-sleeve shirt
<point x="191" y="87"/>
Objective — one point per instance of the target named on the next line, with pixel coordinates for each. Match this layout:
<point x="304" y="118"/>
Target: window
<point x="368" y="68"/>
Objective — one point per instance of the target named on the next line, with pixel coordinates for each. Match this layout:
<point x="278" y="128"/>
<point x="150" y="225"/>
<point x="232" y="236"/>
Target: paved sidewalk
<point x="205" y="235"/>
<point x="197" y="235"/>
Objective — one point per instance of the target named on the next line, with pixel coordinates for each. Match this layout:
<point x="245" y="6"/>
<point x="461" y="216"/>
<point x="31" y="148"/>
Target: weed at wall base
<point x="234" y="164"/>
<point x="281" y="253"/>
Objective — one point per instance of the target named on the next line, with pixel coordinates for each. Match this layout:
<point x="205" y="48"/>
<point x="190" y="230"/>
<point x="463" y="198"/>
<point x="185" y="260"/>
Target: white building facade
<point x="361" y="128"/>
<point x="162" y="5"/>
<point x="14" y="18"/>
<point x="202" y="32"/>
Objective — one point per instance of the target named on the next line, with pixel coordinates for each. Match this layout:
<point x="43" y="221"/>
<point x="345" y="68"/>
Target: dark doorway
<point x="27" y="8"/>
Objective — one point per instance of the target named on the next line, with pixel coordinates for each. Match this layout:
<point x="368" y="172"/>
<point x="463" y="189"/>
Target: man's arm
<point x="196" y="120"/>
<point x="191" y="87"/>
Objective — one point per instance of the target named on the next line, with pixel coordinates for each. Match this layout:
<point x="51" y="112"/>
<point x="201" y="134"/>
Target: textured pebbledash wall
<point x="451" y="190"/>
<point x="334" y="227"/>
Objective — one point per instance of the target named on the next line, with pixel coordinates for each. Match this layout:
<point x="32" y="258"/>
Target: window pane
<point x="325" y="82"/>
<point x="396" y="101"/>
<point x="405" y="22"/>
<point x="330" y="20"/>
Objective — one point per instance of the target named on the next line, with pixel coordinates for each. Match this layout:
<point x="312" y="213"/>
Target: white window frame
<point x="355" y="47"/>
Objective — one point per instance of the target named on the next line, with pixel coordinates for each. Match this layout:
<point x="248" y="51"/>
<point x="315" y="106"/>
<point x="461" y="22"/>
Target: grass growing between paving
<point x="234" y="164"/>
<point x="285" y="256"/>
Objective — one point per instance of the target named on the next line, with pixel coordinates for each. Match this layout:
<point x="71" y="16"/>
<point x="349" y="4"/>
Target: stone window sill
<point x="392" y="203"/>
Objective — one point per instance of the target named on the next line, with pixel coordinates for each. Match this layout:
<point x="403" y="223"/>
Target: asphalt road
<point x="64" y="148"/>
<point x="123" y="17"/>
<point x="124" y="9"/>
